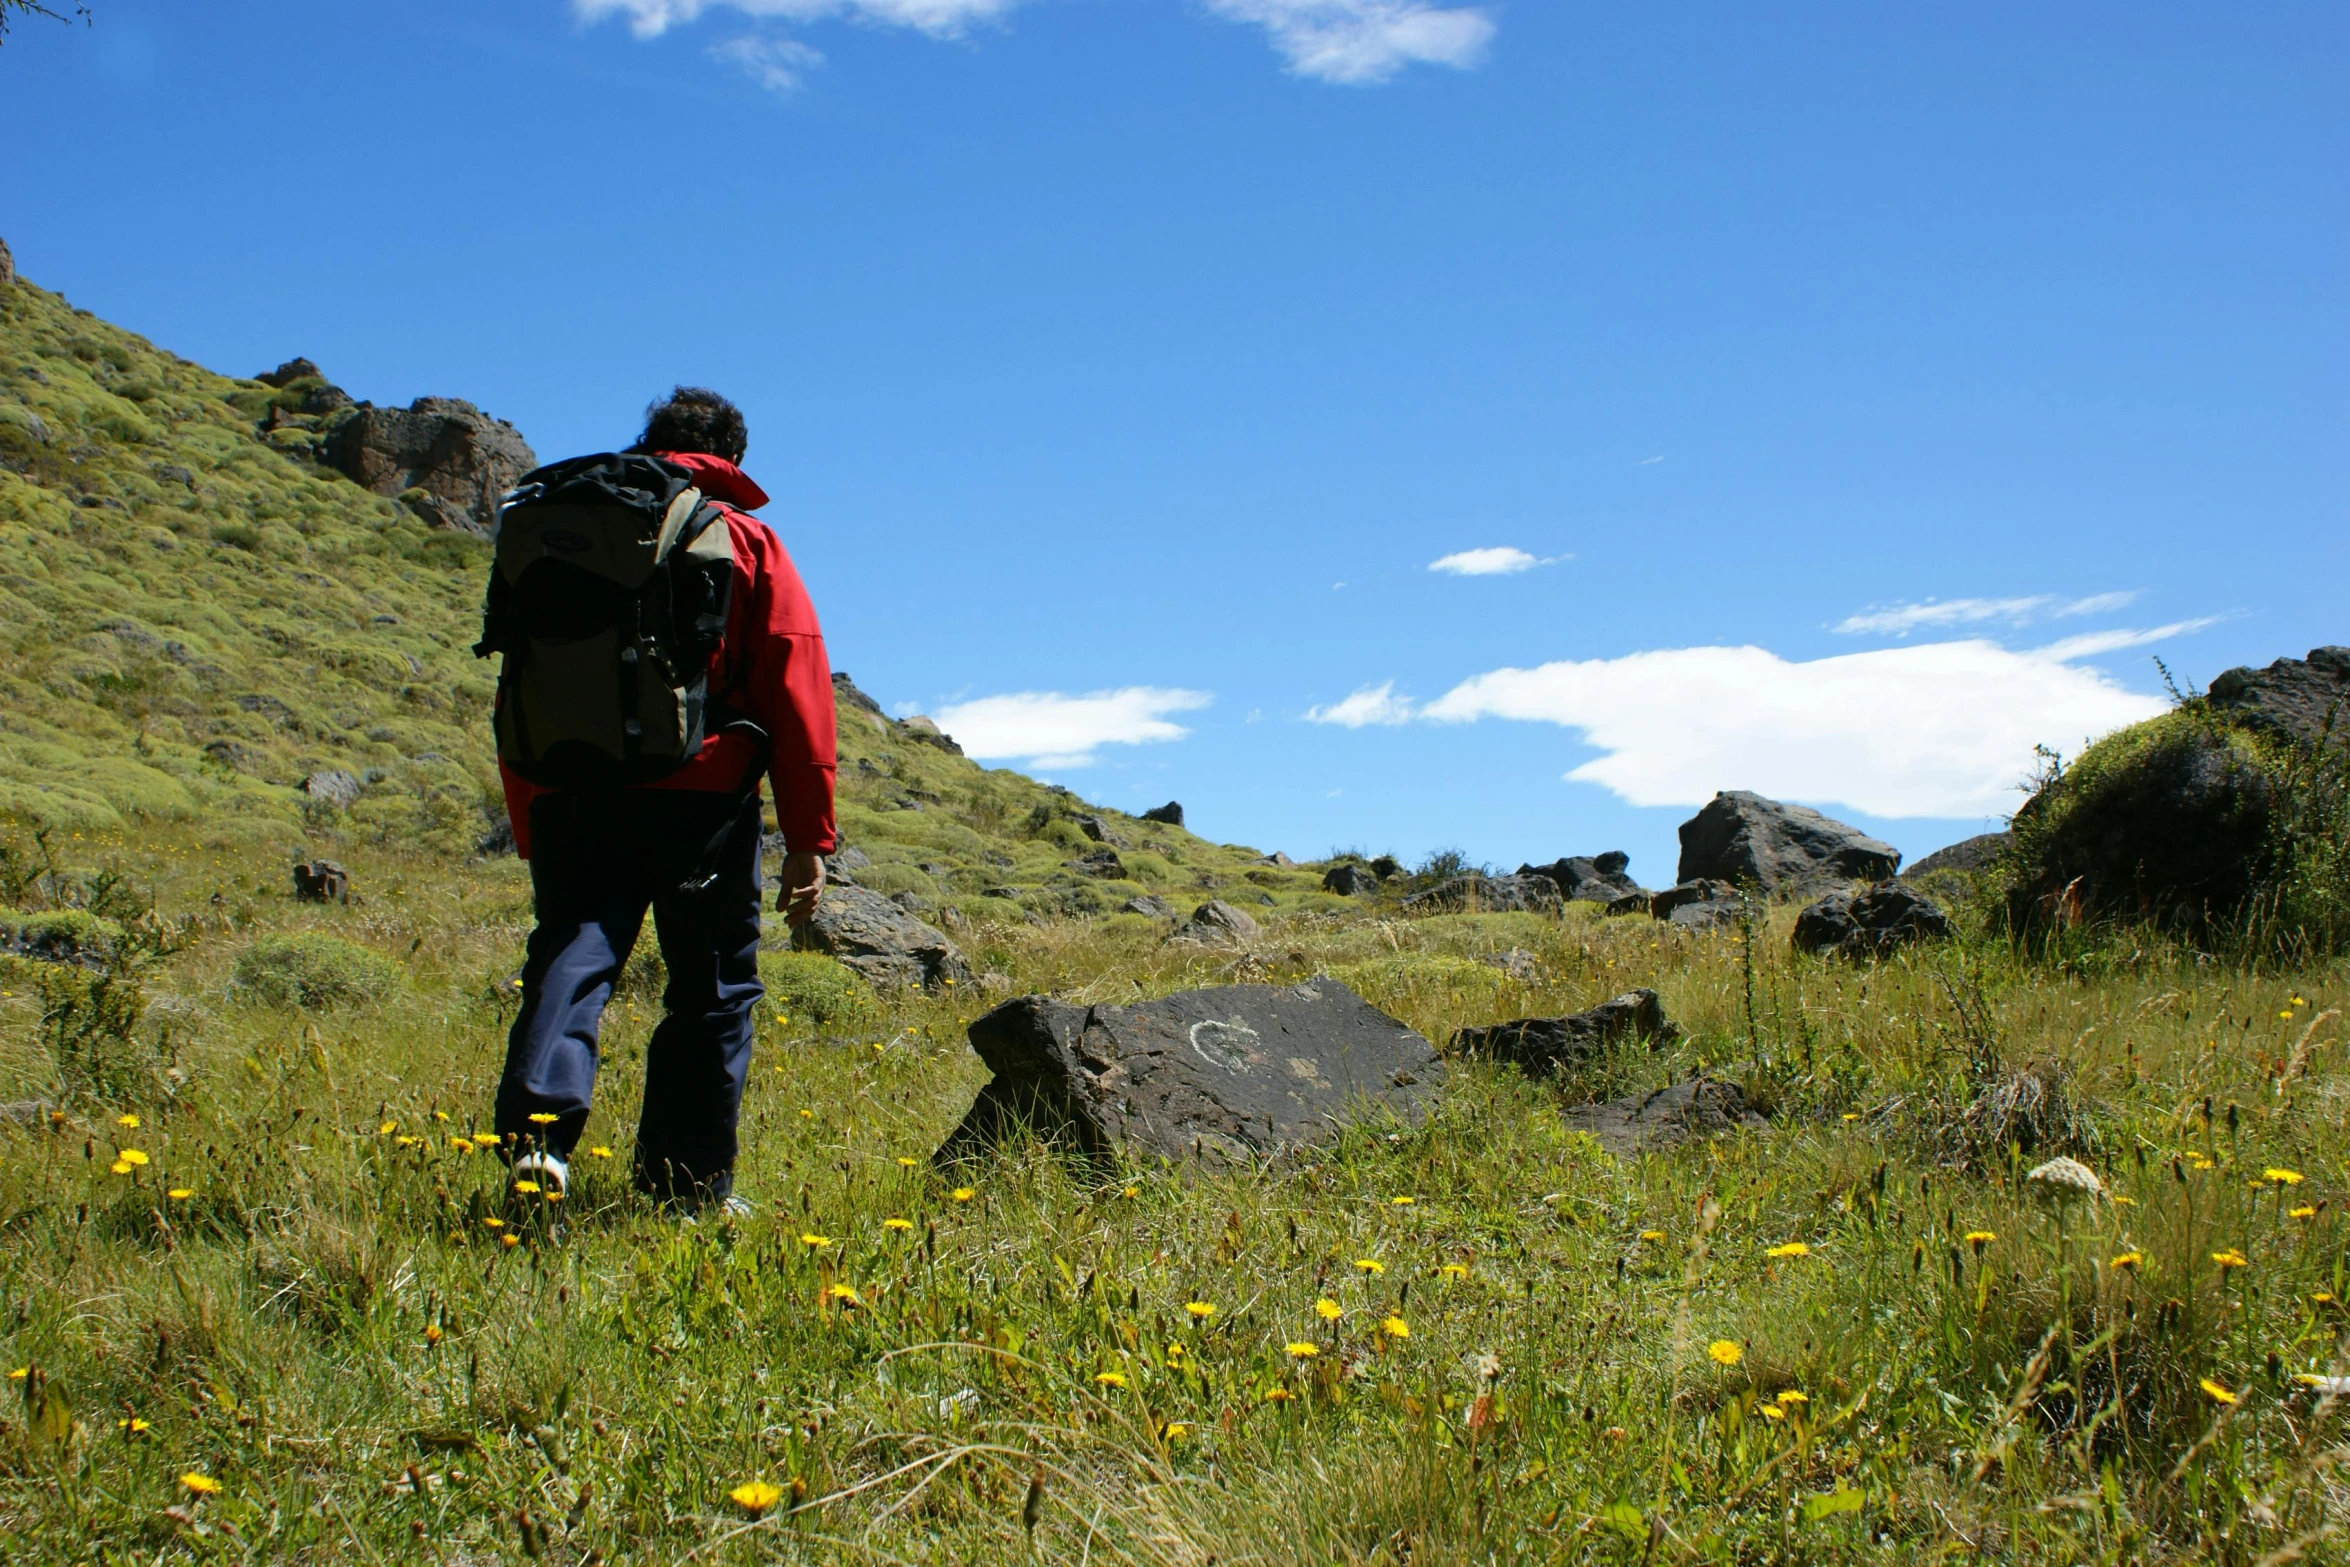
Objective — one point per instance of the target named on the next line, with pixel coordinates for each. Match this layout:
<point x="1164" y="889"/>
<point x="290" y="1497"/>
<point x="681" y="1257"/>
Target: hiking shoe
<point x="550" y="1174"/>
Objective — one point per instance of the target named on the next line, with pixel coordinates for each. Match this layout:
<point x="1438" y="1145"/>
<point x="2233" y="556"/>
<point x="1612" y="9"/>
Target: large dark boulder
<point x="1704" y="904"/>
<point x="887" y="946"/>
<point x="1350" y="880"/>
<point x="1234" y="1074"/>
<point x="1541" y="1046"/>
<point x="451" y="460"/>
<point x="1489" y="895"/>
<point x="1170" y="814"/>
<point x="1786" y="850"/>
<point x="1597" y="878"/>
<point x="1871" y="923"/>
<point x="1978" y="853"/>
<point x="1646" y="1123"/>
<point x="2294" y="699"/>
<point x="1216" y="923"/>
<point x="1102" y="864"/>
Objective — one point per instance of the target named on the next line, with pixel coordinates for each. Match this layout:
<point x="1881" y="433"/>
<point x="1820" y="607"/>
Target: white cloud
<point x="1366" y="41"/>
<point x="1497" y="561"/>
<point x="1938" y="729"/>
<point x="2090" y="644"/>
<point x="1048" y="729"/>
<point x="1371" y="705"/>
<point x="777" y="64"/>
<point x="1901" y="619"/>
<point x="938" y="18"/>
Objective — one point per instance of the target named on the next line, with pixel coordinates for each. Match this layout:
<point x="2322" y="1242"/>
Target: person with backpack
<point x="658" y="656"/>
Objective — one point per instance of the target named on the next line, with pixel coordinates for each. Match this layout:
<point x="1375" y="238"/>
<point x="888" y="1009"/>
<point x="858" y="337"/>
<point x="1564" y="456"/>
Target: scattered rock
<point x="1786" y="850"/>
<point x="1236" y="1074"/>
<point x="1168" y="815"/>
<point x="1872" y="923"/>
<point x="333" y="786"/>
<point x="1598" y="878"/>
<point x="321" y="881"/>
<point x="846" y="696"/>
<point x="1644" y="1123"/>
<point x="7" y="266"/>
<point x="842" y="864"/>
<point x="1216" y="923"/>
<point x="173" y="473"/>
<point x="923" y="730"/>
<point x="1387" y="867"/>
<point x="1978" y="853"/>
<point x="295" y="369"/>
<point x="1489" y="895"/>
<point x="1696" y="905"/>
<point x="1541" y="1046"/>
<point x="1517" y="963"/>
<point x="458" y="458"/>
<point x="1277" y="858"/>
<point x="1100" y="831"/>
<point x="73" y="937"/>
<point x="1149" y="907"/>
<point x="1102" y="864"/>
<point x="2293" y="699"/>
<point x="497" y="842"/>
<point x="887" y="946"/>
<point x="1350" y="881"/>
<point x="1636" y="902"/>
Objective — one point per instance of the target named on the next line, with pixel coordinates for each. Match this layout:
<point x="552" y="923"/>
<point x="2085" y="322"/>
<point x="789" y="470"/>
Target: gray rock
<point x="1100" y="831"/>
<point x="1517" y="963"/>
<point x="1350" y="881"/>
<point x="1102" y="864"/>
<point x="334" y="787"/>
<point x="1871" y="923"/>
<point x="843" y="863"/>
<point x="321" y="881"/>
<point x="1662" y="904"/>
<point x="1786" y="850"/>
<point x="888" y="947"/>
<point x="7" y="265"/>
<point x="1168" y="815"/>
<point x="846" y="694"/>
<point x="1238" y="1074"/>
<point x="496" y="841"/>
<point x="1541" y="1046"/>
<point x="1149" y="907"/>
<point x="458" y="459"/>
<point x="1597" y="878"/>
<point x="1644" y="1123"/>
<point x="2301" y="700"/>
<point x="1634" y="902"/>
<point x="921" y="729"/>
<point x="1216" y="923"/>
<point x="1978" y="853"/>
<point x="1387" y="867"/>
<point x="1277" y="858"/>
<point x="1489" y="895"/>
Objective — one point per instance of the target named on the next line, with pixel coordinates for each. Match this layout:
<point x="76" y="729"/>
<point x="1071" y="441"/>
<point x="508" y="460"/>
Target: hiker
<point x="659" y="655"/>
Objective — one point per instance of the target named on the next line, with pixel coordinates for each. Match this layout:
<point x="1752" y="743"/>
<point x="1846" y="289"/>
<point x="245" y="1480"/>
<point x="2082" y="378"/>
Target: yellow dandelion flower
<point x="897" y="1224"/>
<point x="432" y="1333"/>
<point x="963" y="1193"/>
<point x="1370" y="1265"/>
<point x="126" y="1119"/>
<point x="2129" y="1259"/>
<point x="543" y="1118"/>
<point x="1790" y="1249"/>
<point x="2297" y="1001"/>
<point x="907" y="1162"/>
<point x="1174" y="1353"/>
<point x="407" y="1142"/>
<point x="815" y="1242"/>
<point x="2216" y="1392"/>
<point x="122" y="1167"/>
<point x="134" y="1425"/>
<point x="1851" y="1115"/>
<point x="1652" y="1235"/>
<point x="20" y="1373"/>
<point x="1198" y="1310"/>
<point x="1278" y="1395"/>
<point x="2123" y="1200"/>
<point x="440" y="1115"/>
<point x="1396" y="1327"/>
<point x="2198" y="1161"/>
<point x="1453" y="1270"/>
<point x="2287" y="1015"/>
<point x="494" y="1222"/>
<point x="1329" y="1310"/>
<point x="1130" y="1191"/>
<point x="1773" y="1412"/>
<point x="807" y="1115"/>
<point x="131" y="1156"/>
<point x="2303" y="1212"/>
<point x="846" y="1295"/>
<point x="1110" y="1378"/>
<point x="1979" y="1239"/>
<point x="200" y="1483"/>
<point x="755" y="1496"/>
<point x="387" y="1129"/>
<point x="1176" y="1431"/>
<point x="2323" y="1297"/>
<point x="599" y="1152"/>
<point x="510" y="1239"/>
<point x="2282" y="1177"/>
<point x="1724" y="1353"/>
<point x="2231" y="1258"/>
<point x="180" y="1193"/>
<point x="526" y="1187"/>
<point x="1302" y="1350"/>
<point x="486" y="1139"/>
<point x="1793" y="1395"/>
<point x="1400" y="1202"/>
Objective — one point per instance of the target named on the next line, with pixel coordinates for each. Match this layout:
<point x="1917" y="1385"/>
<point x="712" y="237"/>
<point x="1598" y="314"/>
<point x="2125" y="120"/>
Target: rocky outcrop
<point x="1099" y="829"/>
<point x="1350" y="880"/>
<point x="1597" y="878"/>
<point x="1786" y="850"/>
<point x="333" y="787"/>
<point x="1704" y="904"/>
<point x="1216" y="923"/>
<point x="888" y="947"/>
<point x="925" y="731"/>
<point x="442" y="457"/>
<point x="2293" y="699"/>
<point x="1872" y="923"/>
<point x="1148" y="907"/>
<point x="847" y="698"/>
<point x="1978" y="853"/>
<point x="1543" y="1046"/>
<point x="1169" y="815"/>
<point x="1102" y="864"/>
<point x="1230" y="1075"/>
<point x="1489" y="895"/>
<point x="7" y="265"/>
<point x="1646" y="1123"/>
<point x="321" y="881"/>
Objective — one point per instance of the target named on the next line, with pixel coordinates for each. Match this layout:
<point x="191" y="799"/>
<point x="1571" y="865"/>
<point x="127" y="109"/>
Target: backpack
<point x="607" y="599"/>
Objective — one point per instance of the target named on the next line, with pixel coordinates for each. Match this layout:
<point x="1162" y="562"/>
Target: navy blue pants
<point x="598" y="862"/>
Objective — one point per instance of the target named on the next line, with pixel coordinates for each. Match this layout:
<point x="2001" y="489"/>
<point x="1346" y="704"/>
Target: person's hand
<point x="803" y="880"/>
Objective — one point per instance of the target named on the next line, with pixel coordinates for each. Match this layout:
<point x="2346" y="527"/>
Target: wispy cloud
<point x="1498" y="561"/>
<point x="1371" y="705"/>
<point x="1901" y="619"/>
<point x="1359" y="42"/>
<point x="1050" y="730"/>
<point x="1354" y="42"/>
<point x="2091" y="643"/>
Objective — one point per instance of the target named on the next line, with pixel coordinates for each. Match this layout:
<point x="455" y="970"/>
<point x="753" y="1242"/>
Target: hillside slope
<point x="195" y="619"/>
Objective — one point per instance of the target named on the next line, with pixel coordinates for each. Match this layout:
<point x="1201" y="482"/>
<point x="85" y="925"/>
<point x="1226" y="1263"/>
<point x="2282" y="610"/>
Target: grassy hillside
<point x="262" y="1299"/>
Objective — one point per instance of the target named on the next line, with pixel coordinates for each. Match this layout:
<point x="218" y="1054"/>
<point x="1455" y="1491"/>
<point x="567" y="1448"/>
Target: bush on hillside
<point x="808" y="987"/>
<point x="314" y="971"/>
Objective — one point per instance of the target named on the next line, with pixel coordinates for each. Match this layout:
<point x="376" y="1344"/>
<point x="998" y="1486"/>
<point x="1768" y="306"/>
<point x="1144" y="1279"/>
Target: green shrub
<point x="65" y="936"/>
<point x="314" y="971"/>
<point x="810" y="987"/>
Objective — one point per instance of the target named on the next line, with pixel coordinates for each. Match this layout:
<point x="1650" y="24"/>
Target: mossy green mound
<point x="313" y="971"/>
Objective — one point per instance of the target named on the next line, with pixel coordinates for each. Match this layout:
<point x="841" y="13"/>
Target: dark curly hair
<point x="695" y="419"/>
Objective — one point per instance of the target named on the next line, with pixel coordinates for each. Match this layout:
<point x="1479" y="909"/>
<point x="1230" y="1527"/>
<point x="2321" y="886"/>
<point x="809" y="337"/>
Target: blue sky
<point x="1833" y="400"/>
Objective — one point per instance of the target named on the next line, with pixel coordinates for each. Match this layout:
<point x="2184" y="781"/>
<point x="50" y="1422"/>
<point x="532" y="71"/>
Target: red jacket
<point x="771" y="669"/>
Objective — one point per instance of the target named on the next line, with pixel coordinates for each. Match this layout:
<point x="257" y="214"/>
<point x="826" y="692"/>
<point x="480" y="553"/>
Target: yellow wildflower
<point x="128" y="1120"/>
<point x="1199" y="1310"/>
<point x="897" y="1224"/>
<point x="1652" y="1235"/>
<point x="2217" y="1393"/>
<point x="846" y="1295"/>
<point x="2304" y="1212"/>
<point x="2231" y="1258"/>
<point x="815" y="1242"/>
<point x="387" y="1129"/>
<point x="599" y="1152"/>
<point x="200" y="1483"/>
<point x="963" y="1193"/>
<point x="543" y="1118"/>
<point x="1110" y="1378"/>
<point x="1302" y="1350"/>
<point x="526" y="1187"/>
<point x="1329" y="1310"/>
<point x="510" y="1238"/>
<point x="432" y="1333"/>
<point x="755" y="1496"/>
<point x="1454" y="1270"/>
<point x="1278" y="1395"/>
<point x="2129" y="1259"/>
<point x="1396" y="1327"/>
<point x="1793" y="1395"/>
<point x="1370" y="1265"/>
<point x="180" y="1193"/>
<point x="1790" y="1249"/>
<point x="1979" y="1239"/>
<point x="121" y="1167"/>
<point x="2282" y="1177"/>
<point x="134" y="1425"/>
<point x="907" y="1161"/>
<point x="1724" y="1353"/>
<point x="1400" y="1202"/>
<point x="1773" y="1412"/>
<point x="1176" y="1431"/>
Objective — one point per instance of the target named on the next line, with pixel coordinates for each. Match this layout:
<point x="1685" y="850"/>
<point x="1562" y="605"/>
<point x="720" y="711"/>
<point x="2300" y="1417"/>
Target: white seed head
<point x="2066" y="1176"/>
